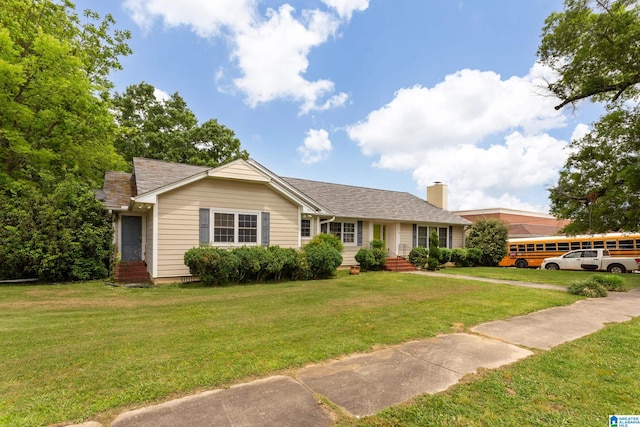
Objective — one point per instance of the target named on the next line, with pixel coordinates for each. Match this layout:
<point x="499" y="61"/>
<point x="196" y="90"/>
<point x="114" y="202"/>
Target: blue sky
<point x="392" y="94"/>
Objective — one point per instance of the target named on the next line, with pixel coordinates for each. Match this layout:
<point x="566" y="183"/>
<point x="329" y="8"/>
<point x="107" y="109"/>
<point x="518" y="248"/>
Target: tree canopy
<point x="490" y="236"/>
<point x="54" y="117"/>
<point x="594" y="47"/>
<point x="166" y="129"/>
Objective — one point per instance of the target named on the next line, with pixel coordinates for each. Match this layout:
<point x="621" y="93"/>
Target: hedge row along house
<point x="163" y="209"/>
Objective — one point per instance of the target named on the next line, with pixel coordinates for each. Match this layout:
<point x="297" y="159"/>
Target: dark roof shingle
<point x="361" y="202"/>
<point x="152" y="174"/>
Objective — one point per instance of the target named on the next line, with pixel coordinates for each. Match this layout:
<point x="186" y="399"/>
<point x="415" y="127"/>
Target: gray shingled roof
<point x="360" y="202"/>
<point x="118" y="189"/>
<point x="342" y="200"/>
<point x="153" y="174"/>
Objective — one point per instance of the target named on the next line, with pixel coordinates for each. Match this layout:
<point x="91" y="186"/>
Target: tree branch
<point x="618" y="87"/>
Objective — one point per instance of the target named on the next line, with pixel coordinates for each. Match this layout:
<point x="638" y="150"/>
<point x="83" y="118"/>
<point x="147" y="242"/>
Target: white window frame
<point x="236" y="227"/>
<point x="430" y="229"/>
<point x="342" y="222"/>
<point x="310" y="229"/>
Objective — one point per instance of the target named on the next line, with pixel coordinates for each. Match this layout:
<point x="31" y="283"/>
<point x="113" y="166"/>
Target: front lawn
<point x="88" y="350"/>
<point x="563" y="278"/>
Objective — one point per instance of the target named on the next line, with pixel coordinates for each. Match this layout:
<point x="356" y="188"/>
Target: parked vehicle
<point x="526" y="252"/>
<point x="591" y="259"/>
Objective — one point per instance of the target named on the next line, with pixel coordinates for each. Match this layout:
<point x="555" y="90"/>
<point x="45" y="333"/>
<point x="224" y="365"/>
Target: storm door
<point x="131" y="238"/>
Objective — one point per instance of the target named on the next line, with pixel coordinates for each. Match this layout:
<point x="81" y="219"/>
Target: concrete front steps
<point x="398" y="264"/>
<point x="131" y="271"/>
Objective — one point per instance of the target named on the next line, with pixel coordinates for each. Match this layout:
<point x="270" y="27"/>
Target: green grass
<point x="563" y="278"/>
<point x="580" y="384"/>
<point x="88" y="351"/>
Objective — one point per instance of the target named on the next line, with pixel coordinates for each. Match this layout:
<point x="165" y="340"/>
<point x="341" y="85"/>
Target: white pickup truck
<point x="591" y="259"/>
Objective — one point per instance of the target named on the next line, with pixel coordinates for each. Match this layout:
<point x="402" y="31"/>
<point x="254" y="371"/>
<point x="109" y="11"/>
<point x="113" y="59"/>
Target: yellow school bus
<point x="530" y="251"/>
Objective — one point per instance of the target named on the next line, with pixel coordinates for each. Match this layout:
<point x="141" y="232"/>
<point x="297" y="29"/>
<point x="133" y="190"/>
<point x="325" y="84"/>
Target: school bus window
<point x="575" y="245"/>
<point x="512" y="248"/>
<point x="521" y="248"/>
<point x="625" y="244"/>
<point x="611" y="244"/>
<point x="539" y="247"/>
<point x="638" y="244"/>
<point x="530" y="247"/>
<point x="563" y="246"/>
<point x="586" y="245"/>
<point x="549" y="246"/>
<point x="598" y="244"/>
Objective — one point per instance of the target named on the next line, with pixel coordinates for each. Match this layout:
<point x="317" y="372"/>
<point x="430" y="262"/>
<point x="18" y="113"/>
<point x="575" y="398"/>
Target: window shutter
<point x="265" y="218"/>
<point x="205" y="217"/>
<point x="450" y="237"/>
<point x="415" y="235"/>
<point x="359" y="233"/>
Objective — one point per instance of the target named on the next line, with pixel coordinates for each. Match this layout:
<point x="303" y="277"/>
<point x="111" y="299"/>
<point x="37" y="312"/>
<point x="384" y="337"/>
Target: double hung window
<point x="346" y="231"/>
<point x="235" y="227"/>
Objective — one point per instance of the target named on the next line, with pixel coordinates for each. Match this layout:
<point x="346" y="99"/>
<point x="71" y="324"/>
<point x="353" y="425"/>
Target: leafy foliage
<point x="490" y="236"/>
<point x="323" y="259"/>
<point x="60" y="234"/>
<point x="166" y="129"/>
<point x="418" y="256"/>
<point x="54" y="117"/>
<point x="594" y="47"/>
<point x="434" y="243"/>
<point x="365" y="258"/>
<point x="327" y="238"/>
<point x="445" y="255"/>
<point x="588" y="288"/>
<point x="610" y="282"/>
<point x="371" y="259"/>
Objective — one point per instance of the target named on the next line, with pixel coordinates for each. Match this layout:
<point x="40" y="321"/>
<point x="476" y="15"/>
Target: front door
<point x="131" y="238"/>
<point x="380" y="233"/>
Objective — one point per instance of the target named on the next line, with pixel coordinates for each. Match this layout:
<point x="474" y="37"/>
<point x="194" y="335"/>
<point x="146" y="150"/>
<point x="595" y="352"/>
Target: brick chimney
<point x="437" y="195"/>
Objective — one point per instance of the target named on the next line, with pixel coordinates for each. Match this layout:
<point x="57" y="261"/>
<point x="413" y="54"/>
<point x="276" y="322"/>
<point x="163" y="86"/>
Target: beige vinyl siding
<point x="148" y="247"/>
<point x="178" y="217"/>
<point x="238" y="171"/>
<point x="458" y="236"/>
<point x="406" y="239"/>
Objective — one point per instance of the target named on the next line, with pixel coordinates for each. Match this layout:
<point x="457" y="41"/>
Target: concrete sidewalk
<point x="364" y="384"/>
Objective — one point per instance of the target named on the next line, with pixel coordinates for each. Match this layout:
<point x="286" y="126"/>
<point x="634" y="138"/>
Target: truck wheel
<point x="616" y="268"/>
<point x="521" y="264"/>
<point x="552" y="266"/>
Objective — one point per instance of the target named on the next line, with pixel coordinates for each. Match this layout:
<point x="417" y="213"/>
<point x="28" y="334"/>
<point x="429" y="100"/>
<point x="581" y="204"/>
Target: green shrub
<point x="432" y="264"/>
<point x="214" y="266"/>
<point x="445" y="255"/>
<point x="459" y="257"/>
<point x="588" y="288"/>
<point x="381" y="258"/>
<point x="377" y="244"/>
<point x="287" y="258"/>
<point x="474" y="257"/>
<point x="61" y="232"/>
<point x="365" y="258"/>
<point x="610" y="282"/>
<point x="434" y="243"/>
<point x="323" y="260"/>
<point x="418" y="256"/>
<point x="489" y="235"/>
<point x="330" y="239"/>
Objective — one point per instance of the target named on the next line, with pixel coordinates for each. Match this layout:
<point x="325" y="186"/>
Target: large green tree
<point x="166" y="129"/>
<point x="594" y="47"/>
<point x="54" y="114"/>
<point x="489" y="235"/>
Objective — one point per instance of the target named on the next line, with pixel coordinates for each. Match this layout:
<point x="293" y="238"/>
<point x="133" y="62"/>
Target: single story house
<point x="163" y="209"/>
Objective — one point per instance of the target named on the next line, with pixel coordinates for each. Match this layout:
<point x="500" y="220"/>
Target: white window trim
<point x="342" y="222"/>
<point x="430" y="228"/>
<point x="236" y="213"/>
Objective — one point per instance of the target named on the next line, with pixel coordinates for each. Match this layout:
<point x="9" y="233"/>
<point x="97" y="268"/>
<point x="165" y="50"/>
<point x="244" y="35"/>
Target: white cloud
<point x="580" y="131"/>
<point x="161" y="95"/>
<point x="486" y="137"/>
<point x="316" y="147"/>
<point x="270" y="52"/>
<point x="345" y="8"/>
